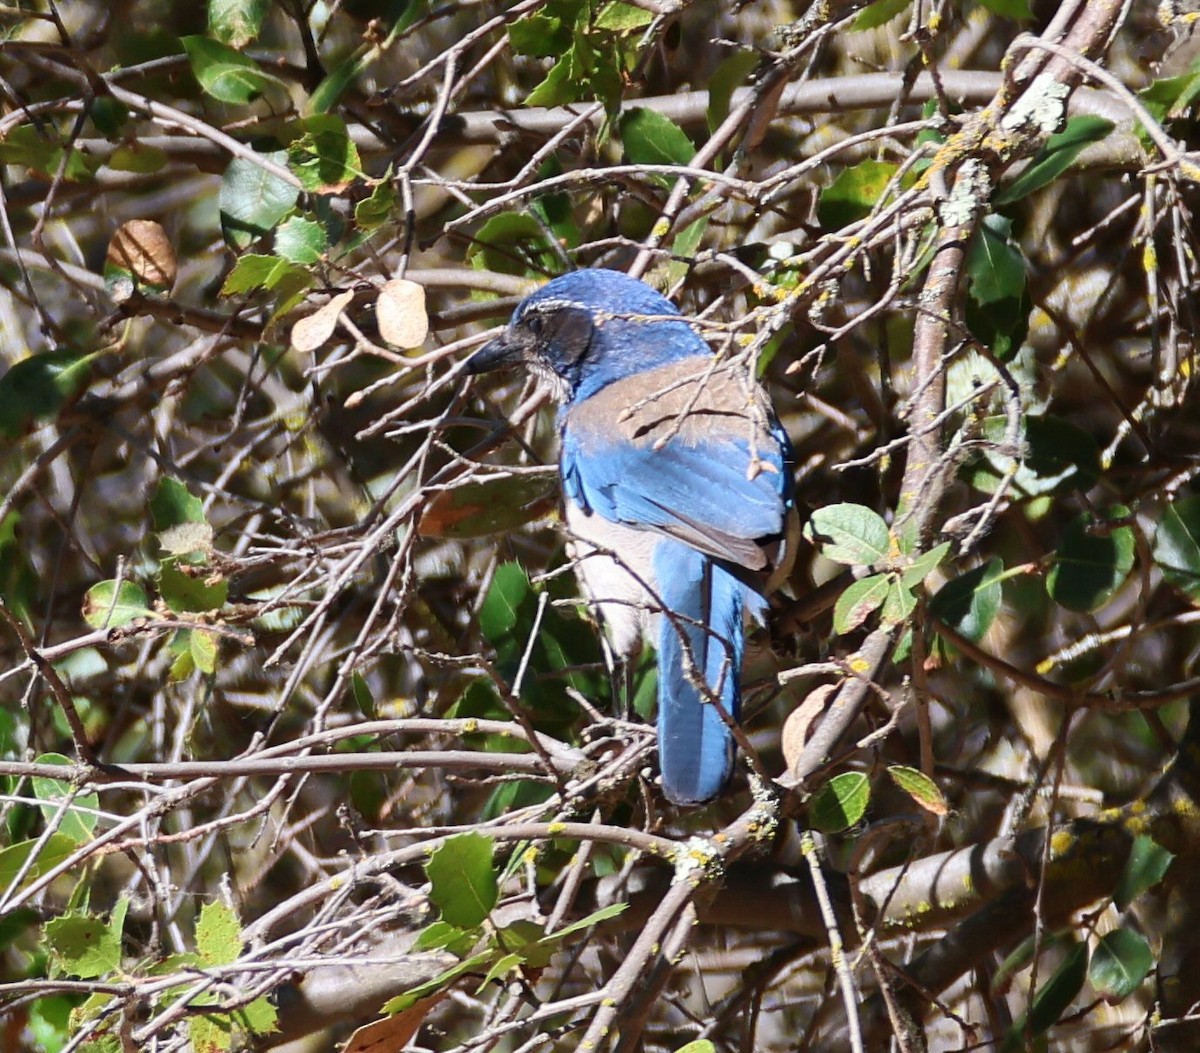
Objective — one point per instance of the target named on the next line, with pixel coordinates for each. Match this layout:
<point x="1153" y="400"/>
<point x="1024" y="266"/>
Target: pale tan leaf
<point x="186" y="537"/>
<point x="314" y="330"/>
<point x="142" y="247"/>
<point x="400" y="311"/>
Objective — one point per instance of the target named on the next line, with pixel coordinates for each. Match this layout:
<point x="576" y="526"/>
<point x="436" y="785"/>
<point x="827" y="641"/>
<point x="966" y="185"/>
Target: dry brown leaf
<point x="142" y="247"/>
<point x="391" y="1034"/>
<point x="400" y="311"/>
<point x="798" y="727"/>
<point x="314" y="330"/>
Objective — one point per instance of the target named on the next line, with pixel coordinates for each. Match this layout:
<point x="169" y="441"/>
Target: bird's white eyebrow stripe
<point x="542" y="306"/>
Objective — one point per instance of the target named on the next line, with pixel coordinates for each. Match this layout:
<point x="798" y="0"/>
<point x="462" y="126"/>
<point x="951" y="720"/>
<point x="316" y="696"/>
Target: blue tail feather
<point x="706" y="603"/>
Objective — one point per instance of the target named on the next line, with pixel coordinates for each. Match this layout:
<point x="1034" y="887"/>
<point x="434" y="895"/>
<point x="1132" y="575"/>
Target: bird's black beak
<point x="503" y="351"/>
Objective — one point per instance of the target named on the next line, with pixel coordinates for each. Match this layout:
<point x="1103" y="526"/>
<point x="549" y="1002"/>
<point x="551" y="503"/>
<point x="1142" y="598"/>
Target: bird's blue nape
<point x="677" y="479"/>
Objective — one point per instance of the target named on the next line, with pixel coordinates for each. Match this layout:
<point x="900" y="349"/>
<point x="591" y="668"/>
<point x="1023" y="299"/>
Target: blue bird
<point x="677" y="480"/>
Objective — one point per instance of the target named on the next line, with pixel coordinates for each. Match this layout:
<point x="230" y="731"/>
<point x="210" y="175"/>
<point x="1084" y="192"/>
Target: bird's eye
<point x="534" y="322"/>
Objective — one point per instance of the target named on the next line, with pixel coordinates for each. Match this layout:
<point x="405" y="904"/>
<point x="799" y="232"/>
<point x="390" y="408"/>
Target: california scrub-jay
<point x="677" y="480"/>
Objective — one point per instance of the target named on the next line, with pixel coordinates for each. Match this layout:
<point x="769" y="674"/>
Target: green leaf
<point x="438" y="983"/>
<point x="218" y="934"/>
<point x="1146" y="866"/>
<point x="499" y="612"/>
<point x="301" y="240"/>
<point x="1059" y="455"/>
<point x="440" y="935"/>
<point x="920" y="787"/>
<point x="41" y="151"/>
<point x="879" y="13"/>
<point x="83" y="945"/>
<point x="463" y="882"/>
<point x="854" y="193"/>
<point x="859" y="601"/>
<point x="969" y="603"/>
<point x="540" y="35"/>
<point x="191" y="592"/>
<point x="236" y="22"/>
<point x="840" y="803"/>
<point x="558" y="88"/>
<point x="374" y="211"/>
<point x="109" y="604"/>
<point x="597" y="916"/>
<point x="322" y="155"/>
<point x="1001" y="325"/>
<point x="1171" y="97"/>
<point x="729" y="75"/>
<point x="260" y="1017"/>
<point x="1177" y="546"/>
<point x="700" y="1045"/>
<point x="326" y="94"/>
<point x="252" y="200"/>
<point x="203" y="645"/>
<point x="1089" y="565"/>
<point x="899" y="603"/>
<point x="135" y="157"/>
<point x="528" y="940"/>
<point x="38" y="387"/>
<point x="109" y="116"/>
<point x="684" y="246"/>
<point x="512" y="243"/>
<point x="210" y="1033"/>
<point x="501" y="967"/>
<point x="80" y="816"/>
<point x="995" y="266"/>
<point x="225" y="74"/>
<point x="363" y="698"/>
<point x="18" y="578"/>
<point x="622" y="18"/>
<point x="923" y="565"/>
<point x="650" y="138"/>
<point x="850" y="534"/>
<point x="1056" y="155"/>
<point x="493" y="506"/>
<point x="56" y="848"/>
<point x="1052" y="999"/>
<point x="284" y="280"/>
<point x="1018" y="10"/>
<point x="172" y="504"/>
<point x="49" y="1025"/>
<point x="116" y="919"/>
<point x="1120" y="963"/>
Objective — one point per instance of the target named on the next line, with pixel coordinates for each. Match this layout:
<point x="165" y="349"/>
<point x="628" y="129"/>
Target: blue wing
<point x="686" y="452"/>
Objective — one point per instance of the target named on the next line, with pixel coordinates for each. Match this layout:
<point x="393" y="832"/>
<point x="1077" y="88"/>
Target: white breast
<point x="614" y="585"/>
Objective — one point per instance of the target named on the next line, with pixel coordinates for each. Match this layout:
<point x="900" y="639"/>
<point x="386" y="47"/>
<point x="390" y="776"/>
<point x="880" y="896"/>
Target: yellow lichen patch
<point x="1061" y="842"/>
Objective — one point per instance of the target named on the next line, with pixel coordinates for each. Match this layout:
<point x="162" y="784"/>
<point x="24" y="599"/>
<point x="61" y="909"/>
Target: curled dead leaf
<point x="798" y="727"/>
<point x="142" y="247"/>
<point x="315" y="329"/>
<point x="400" y="311"/>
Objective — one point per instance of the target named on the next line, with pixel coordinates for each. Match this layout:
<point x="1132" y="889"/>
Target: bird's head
<point x="588" y="328"/>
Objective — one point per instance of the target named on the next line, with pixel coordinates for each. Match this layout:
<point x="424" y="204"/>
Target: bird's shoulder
<point x="693" y="400"/>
